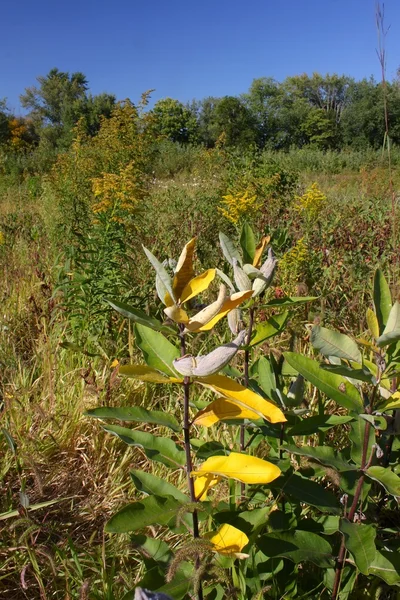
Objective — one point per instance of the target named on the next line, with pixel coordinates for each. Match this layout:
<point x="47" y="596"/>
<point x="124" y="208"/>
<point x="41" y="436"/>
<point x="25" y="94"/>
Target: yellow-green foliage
<point x="311" y="202"/>
<point x="239" y="205"/>
<point x="293" y="266"/>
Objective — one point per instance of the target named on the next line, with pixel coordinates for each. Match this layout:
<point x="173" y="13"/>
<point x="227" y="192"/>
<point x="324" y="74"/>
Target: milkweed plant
<point x="301" y="499"/>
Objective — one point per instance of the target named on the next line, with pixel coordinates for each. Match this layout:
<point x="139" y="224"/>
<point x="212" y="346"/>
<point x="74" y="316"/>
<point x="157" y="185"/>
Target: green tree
<point x="4" y="118"/>
<point x="174" y="121"/>
<point x="228" y="116"/>
<point x="59" y="102"/>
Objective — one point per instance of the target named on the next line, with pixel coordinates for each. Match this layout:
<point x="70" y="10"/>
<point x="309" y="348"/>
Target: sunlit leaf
<point x="157" y="351"/>
<point x="228" y="249"/>
<point x="242" y="467"/>
<point x="267" y="329"/>
<point x="382" y="299"/>
<point x="139" y="316"/>
<point x="202" y="485"/>
<point x="176" y="314"/>
<point x="260" y="250"/>
<point x="292" y="301"/>
<point x="161" y="272"/>
<point x="333" y="343"/>
<point x="391" y="333"/>
<point x="244" y="396"/>
<point x="334" y="386"/>
<point x="386" y="477"/>
<point x="208" y="313"/>
<point x="223" y="409"/>
<point x="372" y="323"/>
<point x="157" y="486"/>
<point x="386" y="566"/>
<point x="145" y="373"/>
<point x="228" y="540"/>
<point x="136" y="414"/>
<point x="247" y="243"/>
<point x="184" y="269"/>
<point x="153" y="510"/>
<point x="242" y="281"/>
<point x="228" y="305"/>
<point x="317" y="423"/>
<point x="197" y="285"/>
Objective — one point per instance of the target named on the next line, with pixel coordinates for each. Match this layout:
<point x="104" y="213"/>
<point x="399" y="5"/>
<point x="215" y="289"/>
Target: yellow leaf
<point x="168" y="300"/>
<point x="197" y="285"/>
<point x="184" y="269"/>
<point x="176" y="314"/>
<point x="223" y="409"/>
<point x="245" y="397"/>
<point x="145" y="373"/>
<point x="202" y="485"/>
<point x="260" y="250"/>
<point x="114" y="363"/>
<point x="372" y="322"/>
<point x="209" y="312"/>
<point x="228" y="540"/>
<point x="392" y="403"/>
<point x="227" y="306"/>
<point x="242" y="467"/>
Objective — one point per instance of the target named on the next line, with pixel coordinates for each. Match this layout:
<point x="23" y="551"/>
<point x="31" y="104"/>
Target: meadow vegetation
<point x="118" y="225"/>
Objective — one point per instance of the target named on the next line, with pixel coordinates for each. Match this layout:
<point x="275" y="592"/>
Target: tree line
<point x="329" y="112"/>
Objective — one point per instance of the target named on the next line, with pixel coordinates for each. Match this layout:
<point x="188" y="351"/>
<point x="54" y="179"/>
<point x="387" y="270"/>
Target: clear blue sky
<point x="186" y="49"/>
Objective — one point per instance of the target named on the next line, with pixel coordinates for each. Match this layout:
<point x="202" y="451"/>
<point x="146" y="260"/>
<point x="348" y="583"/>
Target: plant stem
<point x="186" y="436"/>
<point x="246" y="383"/>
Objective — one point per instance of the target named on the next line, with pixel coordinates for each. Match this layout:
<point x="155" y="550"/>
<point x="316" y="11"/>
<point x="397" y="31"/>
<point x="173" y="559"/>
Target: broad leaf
<point x="323" y="454"/>
<point x="197" y="285"/>
<point x="155" y="486"/>
<point x="228" y="305"/>
<point x="161" y="272"/>
<point x="306" y="490"/>
<point x="152" y="547"/>
<point x="135" y="413"/>
<point x="386" y="477"/>
<point x="228" y="540"/>
<point x="298" y="546"/>
<point x="139" y="316"/>
<point x="386" y="566"/>
<point x="159" y="449"/>
<point x="333" y="343"/>
<point x="382" y="299"/>
<point x="289" y="301"/>
<point x="228" y="249"/>
<point x="357" y="435"/>
<point x="317" y="423"/>
<point x="244" y="468"/>
<point x="223" y="409"/>
<point x="157" y="351"/>
<point x="372" y="323"/>
<point x="146" y="373"/>
<point x="153" y="510"/>
<point x="359" y="540"/>
<point x="334" y="386"/>
<point x="391" y="333"/>
<point x="269" y="328"/>
<point x="245" y="397"/>
<point x="358" y="374"/>
<point x="248" y="243"/>
<point x="184" y="269"/>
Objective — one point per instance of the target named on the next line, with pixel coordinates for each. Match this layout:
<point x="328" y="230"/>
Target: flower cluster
<point x="239" y="205"/>
<point x="311" y="202"/>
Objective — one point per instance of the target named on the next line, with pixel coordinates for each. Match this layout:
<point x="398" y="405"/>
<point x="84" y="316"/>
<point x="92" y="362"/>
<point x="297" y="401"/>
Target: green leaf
<point x="158" y="352"/>
<point x="391" y="333"/>
<point x="286" y="301"/>
<point x="386" y="566"/>
<point x="152" y="547"/>
<point x="307" y="491"/>
<point x="382" y="299"/>
<point x="248" y="243"/>
<point x="229" y="250"/>
<point x="298" y="546"/>
<point x="153" y="510"/>
<point x="333" y="343"/>
<point x="161" y="272"/>
<point x="317" y="423"/>
<point x="359" y="540"/>
<point x="386" y="477"/>
<point x="135" y="413"/>
<point x="357" y="435"/>
<point x="156" y="448"/>
<point x="359" y="374"/>
<point x="269" y="328"/>
<point x="139" y="316"/>
<point x="328" y="525"/>
<point x="334" y="386"/>
<point x="322" y="454"/>
<point x="152" y="485"/>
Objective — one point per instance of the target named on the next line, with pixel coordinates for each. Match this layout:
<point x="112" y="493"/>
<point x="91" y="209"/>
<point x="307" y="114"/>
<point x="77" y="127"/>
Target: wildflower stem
<point x="246" y="383"/>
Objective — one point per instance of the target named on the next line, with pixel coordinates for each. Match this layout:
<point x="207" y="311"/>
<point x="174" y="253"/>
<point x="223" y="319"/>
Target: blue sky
<point x="186" y="49"/>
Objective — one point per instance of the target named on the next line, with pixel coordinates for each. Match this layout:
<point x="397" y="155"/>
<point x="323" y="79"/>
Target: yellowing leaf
<point x="208" y="313"/>
<point x="184" y="269"/>
<point x="176" y="314"/>
<point x="243" y="396"/>
<point x="114" y="363"/>
<point x="197" y="285"/>
<point x="202" y="485"/>
<point x="228" y="540"/>
<point x="145" y="373"/>
<point x="242" y="467"/>
<point x="260" y="250"/>
<point x="226" y="307"/>
<point x="372" y="322"/>
<point x="223" y="409"/>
